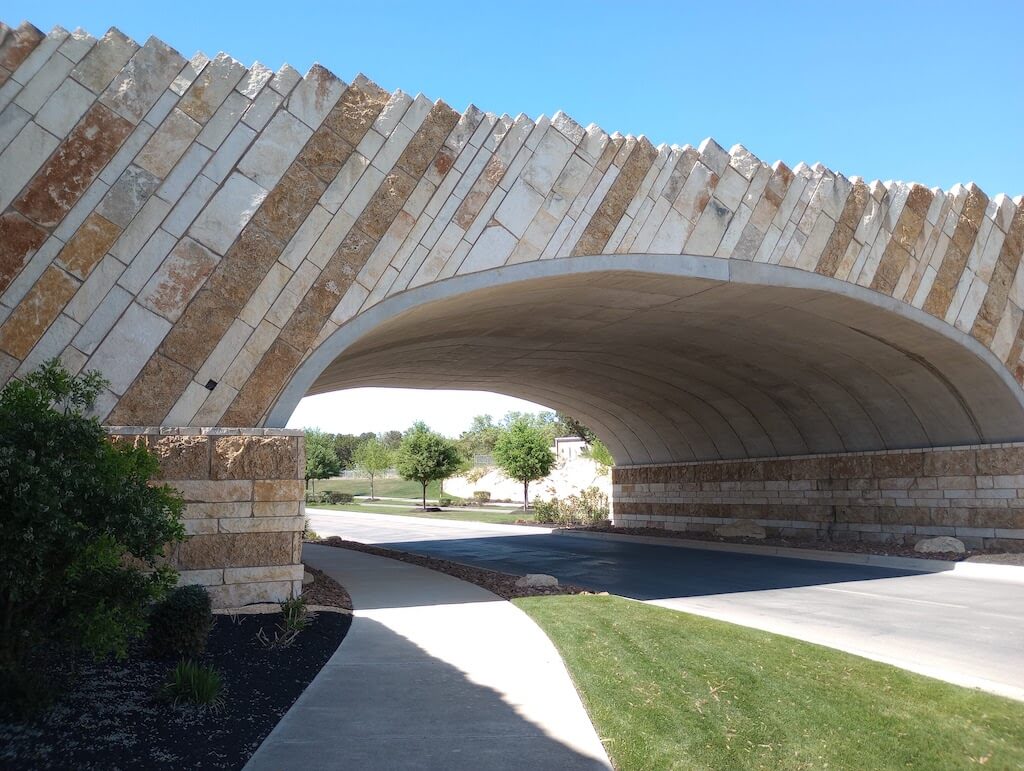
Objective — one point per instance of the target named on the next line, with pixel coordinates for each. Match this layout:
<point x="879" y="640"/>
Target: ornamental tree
<point x="82" y="528"/>
<point x="321" y="459"/>
<point x="372" y="457"/>
<point x="425" y="456"/>
<point x="523" y="452"/>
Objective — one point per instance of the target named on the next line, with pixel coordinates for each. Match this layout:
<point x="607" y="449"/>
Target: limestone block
<point x="231" y="509"/>
<point x="36" y="312"/>
<point x="240" y="595"/>
<point x="178" y="279"/>
<point x="254" y="457"/>
<point x="231" y="208"/>
<point x="104" y="61"/>
<point x="213" y="577"/>
<point x="182" y="457"/>
<point x="212" y="491"/>
<point x="64" y="109"/>
<point x="940" y="544"/>
<point x="211" y="87"/>
<point x="19" y="239"/>
<point x="271" y="573"/>
<point x="262" y="108"/>
<point x="229" y="550"/>
<point x="279" y="490"/>
<point x="20" y="160"/>
<point x="128" y="195"/>
<point x="315" y="96"/>
<point x="42" y="85"/>
<point x="254" y="80"/>
<point x="223" y="121"/>
<point x="73" y="167"/>
<point x="256" y="524"/>
<point x="200" y="526"/>
<point x="741" y="529"/>
<point x="230" y="151"/>
<point x="289" y="508"/>
<point x="1000" y="460"/>
<point x="168" y="144"/>
<point x="124" y="351"/>
<point x="142" y="80"/>
<point x="274" y="149"/>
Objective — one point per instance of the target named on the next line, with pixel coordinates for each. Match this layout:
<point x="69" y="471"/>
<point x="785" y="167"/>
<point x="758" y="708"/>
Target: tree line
<point x="520" y="444"/>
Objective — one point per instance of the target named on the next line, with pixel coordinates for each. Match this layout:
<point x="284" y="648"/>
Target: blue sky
<point x="930" y="92"/>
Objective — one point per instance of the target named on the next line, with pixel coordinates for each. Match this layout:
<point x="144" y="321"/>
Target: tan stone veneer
<point x="244" y="510"/>
<point x="973" y="493"/>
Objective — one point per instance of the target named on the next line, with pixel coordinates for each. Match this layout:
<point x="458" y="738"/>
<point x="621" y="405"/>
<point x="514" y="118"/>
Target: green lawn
<point x="668" y="690"/>
<point x="389" y="488"/>
<point x="496" y="516"/>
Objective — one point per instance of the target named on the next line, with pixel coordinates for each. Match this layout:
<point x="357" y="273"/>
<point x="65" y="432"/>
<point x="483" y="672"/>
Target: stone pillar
<point x="244" y="507"/>
<point x="974" y="493"/>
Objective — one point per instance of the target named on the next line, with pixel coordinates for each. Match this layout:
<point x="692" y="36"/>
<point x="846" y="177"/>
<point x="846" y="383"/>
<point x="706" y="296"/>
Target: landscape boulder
<point x="942" y="543"/>
<point x="741" y="529"/>
<point x="534" y="580"/>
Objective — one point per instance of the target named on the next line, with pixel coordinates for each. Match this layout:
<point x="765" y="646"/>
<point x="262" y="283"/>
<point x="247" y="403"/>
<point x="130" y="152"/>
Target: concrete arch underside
<point x="675" y="359"/>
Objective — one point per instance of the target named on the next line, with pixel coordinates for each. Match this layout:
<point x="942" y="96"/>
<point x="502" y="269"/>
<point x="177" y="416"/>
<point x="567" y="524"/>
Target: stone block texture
<point x="973" y="493"/>
<point x="206" y="234"/>
<point x="244" y="509"/>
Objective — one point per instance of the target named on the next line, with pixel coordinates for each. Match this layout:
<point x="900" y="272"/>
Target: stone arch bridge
<point x="752" y="341"/>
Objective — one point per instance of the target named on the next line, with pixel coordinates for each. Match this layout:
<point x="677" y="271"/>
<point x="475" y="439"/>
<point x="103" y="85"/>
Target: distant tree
<point x="344" y="446"/>
<point x="425" y="456"/>
<point x="570" y="426"/>
<point x="372" y="457"/>
<point x="481" y="436"/>
<point x="391" y="439"/>
<point x="600" y="454"/>
<point x="523" y="452"/>
<point x="321" y="459"/>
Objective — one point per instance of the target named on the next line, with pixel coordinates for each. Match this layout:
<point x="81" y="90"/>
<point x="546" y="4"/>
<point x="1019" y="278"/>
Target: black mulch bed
<point x="501" y="584"/>
<point x="111" y="717"/>
<point x="999" y="556"/>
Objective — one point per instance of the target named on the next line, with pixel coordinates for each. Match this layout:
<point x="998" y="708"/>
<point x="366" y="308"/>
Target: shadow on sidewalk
<point x="382" y="702"/>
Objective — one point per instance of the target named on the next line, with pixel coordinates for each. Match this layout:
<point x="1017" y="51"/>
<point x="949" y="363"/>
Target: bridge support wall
<point x="974" y="493"/>
<point x="244" y="507"/>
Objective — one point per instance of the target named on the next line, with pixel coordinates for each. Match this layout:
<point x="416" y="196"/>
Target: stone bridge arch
<point x="200" y="231"/>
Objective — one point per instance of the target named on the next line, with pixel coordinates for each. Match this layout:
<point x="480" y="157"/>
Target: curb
<point x="986" y="570"/>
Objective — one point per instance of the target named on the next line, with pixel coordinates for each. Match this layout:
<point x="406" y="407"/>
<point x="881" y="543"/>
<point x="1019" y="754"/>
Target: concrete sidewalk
<point x="435" y="673"/>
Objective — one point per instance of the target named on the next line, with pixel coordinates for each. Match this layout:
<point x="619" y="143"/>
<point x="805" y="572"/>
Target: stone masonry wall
<point x="973" y="493"/>
<point x="194" y="229"/>
<point x="244" y="510"/>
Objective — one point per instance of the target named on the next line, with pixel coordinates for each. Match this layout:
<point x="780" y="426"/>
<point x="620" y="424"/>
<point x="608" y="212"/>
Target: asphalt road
<point x="964" y="630"/>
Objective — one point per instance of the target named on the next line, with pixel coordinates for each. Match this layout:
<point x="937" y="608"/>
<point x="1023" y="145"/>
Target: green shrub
<point x="81" y="527"/>
<point x="335" y="497"/>
<point x="308" y="533"/>
<point x="194" y="683"/>
<point x="482" y="496"/>
<point x="179" y="625"/>
<point x="445" y="501"/>
<point x="295" y="618"/>
<point x="589" y="507"/>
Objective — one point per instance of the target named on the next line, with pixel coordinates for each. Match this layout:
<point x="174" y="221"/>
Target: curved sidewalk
<point x="435" y="673"/>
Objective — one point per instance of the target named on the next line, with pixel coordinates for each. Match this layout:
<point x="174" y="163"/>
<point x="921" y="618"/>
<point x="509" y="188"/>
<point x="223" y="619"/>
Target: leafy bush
<point x="194" y="683"/>
<point x="445" y="501"/>
<point x="481" y="496"/>
<point x="308" y="533"/>
<point x="589" y="507"/>
<point x="179" y="625"/>
<point x="333" y="496"/>
<point x="81" y="527"/>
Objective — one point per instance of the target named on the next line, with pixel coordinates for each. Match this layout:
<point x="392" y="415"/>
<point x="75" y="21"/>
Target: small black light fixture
<point x="211" y="384"/>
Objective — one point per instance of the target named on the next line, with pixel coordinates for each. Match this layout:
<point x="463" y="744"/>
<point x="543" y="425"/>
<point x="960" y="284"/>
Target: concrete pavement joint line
<point x="890" y="597"/>
<point x="985" y="570"/>
<point x="434" y="673"/>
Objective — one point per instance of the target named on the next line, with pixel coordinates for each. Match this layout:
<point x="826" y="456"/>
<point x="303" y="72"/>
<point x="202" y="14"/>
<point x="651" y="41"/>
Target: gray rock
<point x="533" y="580"/>
<point x="943" y="543"/>
<point x="741" y="529"/>
<point x="307" y="578"/>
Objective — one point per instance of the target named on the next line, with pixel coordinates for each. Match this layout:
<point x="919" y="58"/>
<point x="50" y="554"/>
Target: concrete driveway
<point x="966" y="630"/>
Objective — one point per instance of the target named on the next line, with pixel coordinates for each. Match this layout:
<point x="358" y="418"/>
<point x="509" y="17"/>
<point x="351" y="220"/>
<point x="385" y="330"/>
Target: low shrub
<point x="333" y="496"/>
<point x="482" y="496"/>
<point x="193" y="683"/>
<point x="179" y="625"/>
<point x="308" y="533"/>
<point x="295" y="618"/>
<point x="445" y="501"/>
<point x="589" y="507"/>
